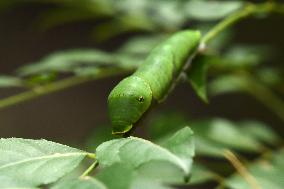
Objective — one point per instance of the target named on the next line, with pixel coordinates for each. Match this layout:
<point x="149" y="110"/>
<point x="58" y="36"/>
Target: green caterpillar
<point x="152" y="81"/>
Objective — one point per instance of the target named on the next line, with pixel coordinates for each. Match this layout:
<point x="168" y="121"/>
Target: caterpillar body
<point x="151" y="82"/>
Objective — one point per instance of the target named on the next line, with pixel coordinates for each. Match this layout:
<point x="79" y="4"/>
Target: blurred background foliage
<point x="117" y="35"/>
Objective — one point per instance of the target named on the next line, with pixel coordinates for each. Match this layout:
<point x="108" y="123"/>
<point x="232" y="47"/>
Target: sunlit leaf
<point x="30" y="163"/>
<point x="10" y="81"/>
<point x="160" y="13"/>
<point x="66" y="61"/>
<point x="82" y="62"/>
<point x="166" y="14"/>
<point x="87" y="71"/>
<point x="247" y="136"/>
<point x="174" y="161"/>
<point x="238" y="58"/>
<point x="129" y="5"/>
<point x="80" y="183"/>
<point x="233" y="139"/>
<point x="245" y="56"/>
<point x="259" y="131"/>
<point x="227" y="84"/>
<point x="211" y="10"/>
<point x="180" y="143"/>
<point x="142" y="183"/>
<point x="116" y="176"/>
<point x="128" y="61"/>
<point x="141" y="45"/>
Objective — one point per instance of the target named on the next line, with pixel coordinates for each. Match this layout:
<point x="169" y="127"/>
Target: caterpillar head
<point x="127" y="102"/>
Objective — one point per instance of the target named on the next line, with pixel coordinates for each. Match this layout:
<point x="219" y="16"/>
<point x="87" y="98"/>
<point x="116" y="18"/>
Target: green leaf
<point x="119" y="176"/>
<point x="10" y="81"/>
<point x="19" y="188"/>
<point x="86" y="62"/>
<point x="266" y="174"/>
<point x="141" y="45"/>
<point x="227" y="84"/>
<point x="128" y="61"/>
<point x="122" y="24"/>
<point x="259" y="131"/>
<point x="30" y="163"/>
<point x="181" y="143"/>
<point x="175" y="159"/>
<point x="207" y="147"/>
<point x="142" y="183"/>
<point x="211" y="10"/>
<point x="197" y="75"/>
<point x="234" y="138"/>
<point x="236" y="58"/>
<point x="244" y="56"/>
<point x="116" y="176"/>
<point x="162" y="14"/>
<point x="200" y="174"/>
<point x="87" y="71"/>
<point x="247" y="136"/>
<point x="270" y="76"/>
<point x="67" y="61"/>
<point x="41" y="79"/>
<point x="80" y="183"/>
<point x="166" y="14"/>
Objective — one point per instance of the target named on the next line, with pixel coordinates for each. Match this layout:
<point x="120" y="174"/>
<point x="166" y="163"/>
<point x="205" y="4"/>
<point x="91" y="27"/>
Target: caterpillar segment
<point x="152" y="81"/>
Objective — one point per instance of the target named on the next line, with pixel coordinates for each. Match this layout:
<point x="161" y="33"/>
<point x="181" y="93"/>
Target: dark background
<point x="69" y="116"/>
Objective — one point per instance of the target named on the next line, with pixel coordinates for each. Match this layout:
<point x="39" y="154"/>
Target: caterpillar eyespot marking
<point x="152" y="81"/>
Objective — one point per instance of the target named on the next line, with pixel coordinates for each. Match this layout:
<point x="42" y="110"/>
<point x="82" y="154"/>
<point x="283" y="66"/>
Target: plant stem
<point x="42" y="90"/>
<point x="241" y="169"/>
<point x="91" y="155"/>
<point x="87" y="172"/>
<point x="56" y="86"/>
<point x="248" y="10"/>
